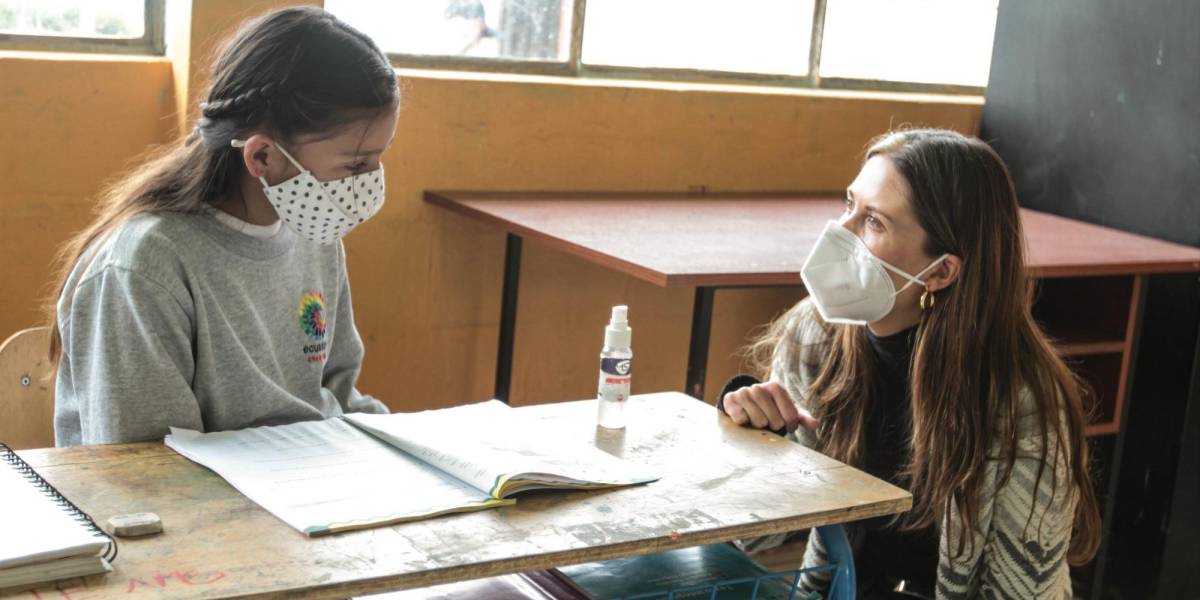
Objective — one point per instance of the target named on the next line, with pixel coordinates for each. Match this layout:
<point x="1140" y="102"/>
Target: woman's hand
<point x="766" y="406"/>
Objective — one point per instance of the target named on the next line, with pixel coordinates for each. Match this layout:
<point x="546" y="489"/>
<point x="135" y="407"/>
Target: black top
<point x="887" y="553"/>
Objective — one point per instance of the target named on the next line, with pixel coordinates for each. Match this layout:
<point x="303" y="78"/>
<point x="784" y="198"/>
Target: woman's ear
<point x="945" y="274"/>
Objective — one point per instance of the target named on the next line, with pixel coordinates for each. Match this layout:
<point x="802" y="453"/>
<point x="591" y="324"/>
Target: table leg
<point x="697" y="364"/>
<point x="508" y="315"/>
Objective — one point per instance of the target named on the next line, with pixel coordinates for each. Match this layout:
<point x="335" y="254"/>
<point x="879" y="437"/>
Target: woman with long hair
<point x="916" y="358"/>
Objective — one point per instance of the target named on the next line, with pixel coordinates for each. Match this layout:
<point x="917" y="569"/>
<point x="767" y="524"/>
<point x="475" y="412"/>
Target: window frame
<point x="151" y="42"/>
<point x="574" y="66"/>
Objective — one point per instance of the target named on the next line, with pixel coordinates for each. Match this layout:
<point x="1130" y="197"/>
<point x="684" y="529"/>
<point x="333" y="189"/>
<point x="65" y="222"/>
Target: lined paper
<point x="327" y="476"/>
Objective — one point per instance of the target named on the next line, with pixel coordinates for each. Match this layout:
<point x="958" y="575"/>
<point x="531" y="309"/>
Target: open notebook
<point x="43" y="536"/>
<point x="364" y="470"/>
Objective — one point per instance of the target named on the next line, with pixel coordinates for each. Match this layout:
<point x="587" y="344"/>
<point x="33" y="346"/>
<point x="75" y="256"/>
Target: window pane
<point x="74" y="18"/>
<point x="513" y="29"/>
<point x="922" y="41"/>
<point x="749" y="36"/>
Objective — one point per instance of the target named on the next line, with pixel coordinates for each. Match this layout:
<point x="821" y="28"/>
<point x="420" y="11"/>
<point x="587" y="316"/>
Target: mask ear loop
<point x="242" y="144"/>
<point x="912" y="278"/>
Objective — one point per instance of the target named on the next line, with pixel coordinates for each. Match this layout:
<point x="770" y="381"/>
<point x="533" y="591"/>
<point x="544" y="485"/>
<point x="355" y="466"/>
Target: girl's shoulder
<point x="147" y="244"/>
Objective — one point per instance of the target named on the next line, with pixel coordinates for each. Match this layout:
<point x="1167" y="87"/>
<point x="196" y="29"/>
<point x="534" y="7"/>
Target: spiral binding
<point x="7" y="455"/>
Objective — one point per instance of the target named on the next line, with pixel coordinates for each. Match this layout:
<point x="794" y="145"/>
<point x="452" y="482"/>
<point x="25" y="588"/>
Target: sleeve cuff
<point x="735" y="383"/>
<point x="738" y="382"/>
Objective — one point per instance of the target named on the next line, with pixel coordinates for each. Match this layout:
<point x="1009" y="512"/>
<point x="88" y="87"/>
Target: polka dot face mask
<point x="324" y="211"/>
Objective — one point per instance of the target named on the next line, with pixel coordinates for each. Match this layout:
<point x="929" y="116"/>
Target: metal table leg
<point x="697" y="364"/>
<point x="508" y="315"/>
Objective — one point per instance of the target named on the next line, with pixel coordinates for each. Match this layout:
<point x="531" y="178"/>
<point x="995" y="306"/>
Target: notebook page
<point x="488" y="443"/>
<point x="33" y="528"/>
<point x="326" y="476"/>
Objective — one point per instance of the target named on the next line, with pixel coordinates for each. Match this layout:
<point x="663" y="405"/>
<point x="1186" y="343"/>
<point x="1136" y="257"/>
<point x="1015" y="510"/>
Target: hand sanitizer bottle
<point x="616" y="369"/>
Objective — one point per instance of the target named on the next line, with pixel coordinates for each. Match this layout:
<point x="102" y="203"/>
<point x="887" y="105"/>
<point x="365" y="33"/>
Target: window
<point x="746" y="36"/>
<point x="929" y="41"/>
<point x="519" y="30"/>
<point x="919" y="45"/>
<point x="126" y="26"/>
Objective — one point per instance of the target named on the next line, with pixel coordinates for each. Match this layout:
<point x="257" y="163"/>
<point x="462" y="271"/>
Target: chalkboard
<point x="1095" y="105"/>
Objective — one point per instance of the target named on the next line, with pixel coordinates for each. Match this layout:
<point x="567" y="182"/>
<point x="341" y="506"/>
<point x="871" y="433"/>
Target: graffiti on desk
<point x="157" y="581"/>
<point x="162" y="580"/>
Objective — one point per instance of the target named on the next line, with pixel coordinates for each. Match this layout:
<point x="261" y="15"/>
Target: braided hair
<point x="291" y="72"/>
<point x="250" y="99"/>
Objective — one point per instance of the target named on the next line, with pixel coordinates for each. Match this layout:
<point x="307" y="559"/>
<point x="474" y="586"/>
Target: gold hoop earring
<point x="927" y="300"/>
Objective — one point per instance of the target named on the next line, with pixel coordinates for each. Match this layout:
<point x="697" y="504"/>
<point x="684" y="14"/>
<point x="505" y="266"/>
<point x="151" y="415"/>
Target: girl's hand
<point x="766" y="406"/>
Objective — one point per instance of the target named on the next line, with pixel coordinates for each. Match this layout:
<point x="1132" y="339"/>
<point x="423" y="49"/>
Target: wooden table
<point x="744" y="240"/>
<point x="719" y="482"/>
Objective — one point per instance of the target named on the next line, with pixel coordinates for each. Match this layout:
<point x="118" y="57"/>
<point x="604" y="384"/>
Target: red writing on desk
<point x="155" y="582"/>
<point x="162" y="580"/>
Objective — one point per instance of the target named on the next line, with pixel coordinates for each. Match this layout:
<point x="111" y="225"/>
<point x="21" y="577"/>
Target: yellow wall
<point x="67" y="123"/>
<point x="426" y="282"/>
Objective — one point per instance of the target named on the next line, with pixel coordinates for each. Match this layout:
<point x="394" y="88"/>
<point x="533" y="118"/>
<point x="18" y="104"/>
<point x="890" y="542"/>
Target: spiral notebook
<point x="45" y="536"/>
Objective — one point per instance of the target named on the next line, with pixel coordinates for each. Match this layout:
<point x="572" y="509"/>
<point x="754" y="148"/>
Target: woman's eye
<point x="874" y="223"/>
<point x="849" y="204"/>
<point x="356" y="167"/>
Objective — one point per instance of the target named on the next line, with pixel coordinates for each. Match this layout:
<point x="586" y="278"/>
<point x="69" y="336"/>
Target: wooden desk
<point x="719" y="482"/>
<point x="724" y="241"/>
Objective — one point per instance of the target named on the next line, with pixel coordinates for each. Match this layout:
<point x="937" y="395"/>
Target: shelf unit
<point x="1093" y="321"/>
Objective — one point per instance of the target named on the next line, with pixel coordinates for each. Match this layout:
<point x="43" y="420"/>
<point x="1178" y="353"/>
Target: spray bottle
<point x="616" y="369"/>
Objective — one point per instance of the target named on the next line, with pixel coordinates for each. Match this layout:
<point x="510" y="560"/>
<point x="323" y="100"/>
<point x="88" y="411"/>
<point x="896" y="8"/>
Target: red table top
<point x="755" y="239"/>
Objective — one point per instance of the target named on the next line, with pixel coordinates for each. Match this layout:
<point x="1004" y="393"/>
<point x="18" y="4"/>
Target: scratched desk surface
<point x="719" y="483"/>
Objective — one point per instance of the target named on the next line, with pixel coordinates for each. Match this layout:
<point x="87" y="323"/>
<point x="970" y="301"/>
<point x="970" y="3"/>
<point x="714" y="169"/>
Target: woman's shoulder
<point x="803" y="328"/>
<point x="802" y="336"/>
<point x="1037" y="422"/>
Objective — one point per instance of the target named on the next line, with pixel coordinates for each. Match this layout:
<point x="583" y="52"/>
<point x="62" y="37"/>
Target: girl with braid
<point x="916" y="359"/>
<point x="210" y="293"/>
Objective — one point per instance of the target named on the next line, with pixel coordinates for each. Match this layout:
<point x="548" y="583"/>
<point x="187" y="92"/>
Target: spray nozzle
<point x="618" y="333"/>
<point x="620" y="316"/>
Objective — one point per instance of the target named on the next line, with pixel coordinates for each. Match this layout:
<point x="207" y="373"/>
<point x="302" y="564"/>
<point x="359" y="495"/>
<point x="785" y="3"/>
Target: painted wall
<point x="426" y="283"/>
<point x="67" y="124"/>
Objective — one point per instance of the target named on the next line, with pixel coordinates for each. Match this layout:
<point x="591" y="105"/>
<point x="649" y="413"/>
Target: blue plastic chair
<point x="842" y="584"/>
<point x="837" y="549"/>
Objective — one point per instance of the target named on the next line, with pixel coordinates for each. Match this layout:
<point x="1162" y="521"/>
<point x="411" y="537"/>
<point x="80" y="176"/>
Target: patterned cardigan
<point x="1007" y="559"/>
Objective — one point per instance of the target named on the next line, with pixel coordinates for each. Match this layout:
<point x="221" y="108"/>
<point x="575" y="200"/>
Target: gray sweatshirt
<point x="178" y="320"/>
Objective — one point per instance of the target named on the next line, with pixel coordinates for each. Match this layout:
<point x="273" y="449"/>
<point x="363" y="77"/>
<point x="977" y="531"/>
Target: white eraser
<point x="135" y="525"/>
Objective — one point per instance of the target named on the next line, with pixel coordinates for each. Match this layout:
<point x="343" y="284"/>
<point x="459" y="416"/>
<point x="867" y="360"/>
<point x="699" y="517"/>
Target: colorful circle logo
<point x="312" y="315"/>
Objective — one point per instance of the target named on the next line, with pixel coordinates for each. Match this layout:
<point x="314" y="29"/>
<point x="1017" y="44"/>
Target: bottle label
<point x="615" y="377"/>
<point x="617" y="367"/>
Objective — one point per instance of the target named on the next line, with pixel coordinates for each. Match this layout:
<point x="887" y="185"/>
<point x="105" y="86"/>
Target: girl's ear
<point x="263" y="159"/>
<point x="944" y="275"/>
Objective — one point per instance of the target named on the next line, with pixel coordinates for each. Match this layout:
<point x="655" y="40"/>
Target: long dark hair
<point x="977" y="350"/>
<point x="291" y="72"/>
